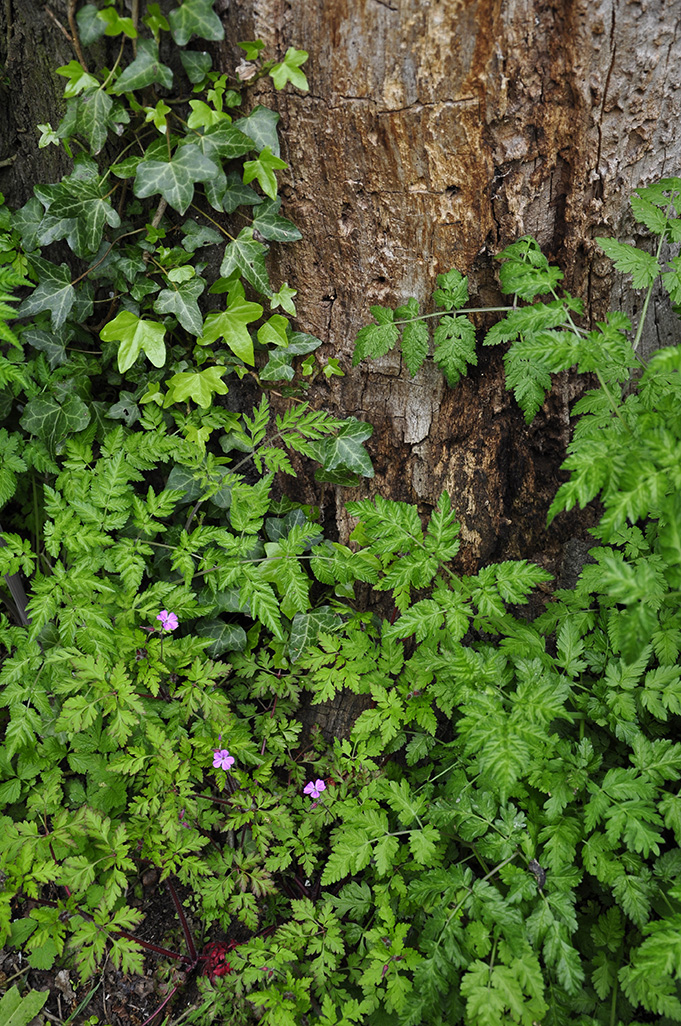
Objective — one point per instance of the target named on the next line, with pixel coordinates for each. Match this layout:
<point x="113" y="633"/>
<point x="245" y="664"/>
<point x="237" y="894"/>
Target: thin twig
<point x="61" y="28"/>
<point x="135" y="19"/>
<point x="74" y="33"/>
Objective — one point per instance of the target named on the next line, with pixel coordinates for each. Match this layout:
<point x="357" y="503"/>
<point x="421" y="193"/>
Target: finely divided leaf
<point x="377" y="339"/>
<point x="454" y="347"/>
<point x="415" y="337"/>
<point x="642" y="267"/>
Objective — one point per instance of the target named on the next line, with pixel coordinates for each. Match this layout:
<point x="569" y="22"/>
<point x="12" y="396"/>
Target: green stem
<point x="455" y="313"/>
<point x="644" y="311"/>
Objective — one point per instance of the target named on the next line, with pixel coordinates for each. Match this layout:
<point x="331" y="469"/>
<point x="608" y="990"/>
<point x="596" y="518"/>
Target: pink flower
<point x="222" y="759"/>
<point x="314" y="788"/>
<point x="168" y="620"/>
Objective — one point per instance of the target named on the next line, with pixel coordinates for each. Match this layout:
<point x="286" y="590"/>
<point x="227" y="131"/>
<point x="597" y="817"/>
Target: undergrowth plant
<point x="499" y="840"/>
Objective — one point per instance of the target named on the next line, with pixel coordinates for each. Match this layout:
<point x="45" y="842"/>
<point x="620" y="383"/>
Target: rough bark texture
<point x="434" y="134"/>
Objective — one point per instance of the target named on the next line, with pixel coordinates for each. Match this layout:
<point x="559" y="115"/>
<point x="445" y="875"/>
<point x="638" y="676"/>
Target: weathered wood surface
<point x="434" y="134"/>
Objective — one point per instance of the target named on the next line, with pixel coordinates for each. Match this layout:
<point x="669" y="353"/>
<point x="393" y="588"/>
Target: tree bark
<point x="434" y="134"/>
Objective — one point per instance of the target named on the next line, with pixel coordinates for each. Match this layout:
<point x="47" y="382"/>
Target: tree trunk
<point x="434" y="134"/>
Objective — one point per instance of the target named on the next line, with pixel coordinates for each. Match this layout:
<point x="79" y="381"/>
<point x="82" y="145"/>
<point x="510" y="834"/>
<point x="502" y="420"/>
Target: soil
<point x="115" y="998"/>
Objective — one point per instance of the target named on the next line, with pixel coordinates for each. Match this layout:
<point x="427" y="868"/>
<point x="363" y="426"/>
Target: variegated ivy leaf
<point x="231" y="325"/>
<point x="261" y="127"/>
<point x="195" y="18"/>
<point x="145" y="70"/>
<point x="135" y="335"/>
<point x="346" y="450"/>
<point x="175" y="179"/>
<point x="247" y="256"/>
<point x="180" y="301"/>
<point x="273" y="227"/>
<point x="90" y="26"/>
<point x="224" y="141"/>
<point x="198" y="235"/>
<point x="53" y="421"/>
<point x="54" y="293"/>
<point x="83" y="202"/>
<point x="91" y="115"/>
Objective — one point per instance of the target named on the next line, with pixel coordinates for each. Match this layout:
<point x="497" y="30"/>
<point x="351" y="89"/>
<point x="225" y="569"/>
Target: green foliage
<point x="499" y="839"/>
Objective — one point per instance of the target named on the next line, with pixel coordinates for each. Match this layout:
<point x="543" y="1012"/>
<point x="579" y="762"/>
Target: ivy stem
<point x="102" y="259"/>
<point x="75" y="38"/>
<point x="118" y="61"/>
<point x="135" y="15"/>
<point x="212" y="221"/>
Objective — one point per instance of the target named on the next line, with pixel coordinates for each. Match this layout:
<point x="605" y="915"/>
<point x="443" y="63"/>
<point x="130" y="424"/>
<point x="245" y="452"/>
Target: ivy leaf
<point x="115" y="25"/>
<point x="182" y="302"/>
<point x="284" y="299"/>
<point x="261" y="127"/>
<point x="248" y="257"/>
<point x="195" y="18"/>
<point x="263" y="169"/>
<point x="346" y="449"/>
<point x="454" y="347"/>
<point x="237" y="194"/>
<point x="52" y="421"/>
<point x="227" y="637"/>
<point x="231" y="325"/>
<point x="200" y="386"/>
<point x="90" y="26"/>
<point x="54" y="293"/>
<point x="91" y="115"/>
<point x="224" y="142"/>
<point x="175" y="179"/>
<point x="273" y="227"/>
<point x="135" y="335"/>
<point x="288" y="70"/>
<point x="83" y="202"/>
<point x="278" y="368"/>
<point x="273" y="331"/>
<point x="198" y="235"/>
<point x="78" y="79"/>
<point x="643" y="267"/>
<point x="145" y="70"/>
<point x="197" y="64"/>
<point x="415" y="337"/>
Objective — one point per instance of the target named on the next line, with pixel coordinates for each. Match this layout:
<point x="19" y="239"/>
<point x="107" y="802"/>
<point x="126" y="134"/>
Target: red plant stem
<point x="160" y="1007"/>
<point x="188" y="938"/>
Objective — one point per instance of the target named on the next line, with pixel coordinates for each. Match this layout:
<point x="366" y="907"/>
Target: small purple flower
<point x="168" y="620"/>
<point x="222" y="759"/>
<point x="314" y="788"/>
